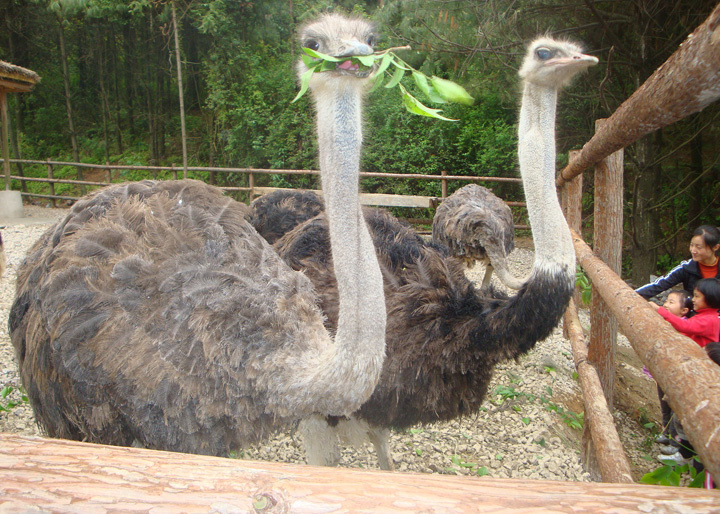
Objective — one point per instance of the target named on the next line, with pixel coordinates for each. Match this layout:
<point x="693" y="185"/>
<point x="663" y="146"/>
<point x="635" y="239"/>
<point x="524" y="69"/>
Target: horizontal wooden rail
<point x="612" y="461"/>
<point x="63" y="476"/>
<point x="690" y="380"/>
<point x="686" y="83"/>
<point x="263" y="171"/>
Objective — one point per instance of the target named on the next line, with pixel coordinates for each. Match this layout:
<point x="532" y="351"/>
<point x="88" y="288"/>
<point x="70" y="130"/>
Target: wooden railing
<point x="686" y="83"/>
<point x="252" y="190"/>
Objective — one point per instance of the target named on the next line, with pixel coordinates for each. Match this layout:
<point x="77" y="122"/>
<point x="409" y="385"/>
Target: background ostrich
<point x="155" y="313"/>
<point x="478" y="226"/>
<point x="444" y="336"/>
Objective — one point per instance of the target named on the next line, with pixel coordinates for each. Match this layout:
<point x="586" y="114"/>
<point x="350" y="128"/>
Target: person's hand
<point x="654" y="305"/>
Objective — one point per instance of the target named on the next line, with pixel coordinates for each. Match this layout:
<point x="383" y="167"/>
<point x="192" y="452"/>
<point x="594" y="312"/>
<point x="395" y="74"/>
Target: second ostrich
<point x="478" y="226"/>
<point x="154" y="313"/>
<point x="444" y="336"/>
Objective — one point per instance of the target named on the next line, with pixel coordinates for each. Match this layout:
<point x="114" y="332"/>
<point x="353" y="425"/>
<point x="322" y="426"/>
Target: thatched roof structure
<point x="17" y="79"/>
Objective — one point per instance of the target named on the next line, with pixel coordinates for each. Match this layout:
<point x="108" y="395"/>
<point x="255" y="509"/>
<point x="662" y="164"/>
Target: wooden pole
<point x="4" y="137"/>
<point x="690" y="380"/>
<point x="685" y="84"/>
<point x="613" y="464"/>
<point x="443" y="184"/>
<point x="65" y="476"/>
<point x="572" y="207"/>
<point x="52" y="184"/>
<point x="608" y="235"/>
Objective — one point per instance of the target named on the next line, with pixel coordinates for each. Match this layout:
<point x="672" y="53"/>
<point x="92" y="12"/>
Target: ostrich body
<point x="444" y="336"/>
<point x="478" y="226"/>
<point x="155" y="313"/>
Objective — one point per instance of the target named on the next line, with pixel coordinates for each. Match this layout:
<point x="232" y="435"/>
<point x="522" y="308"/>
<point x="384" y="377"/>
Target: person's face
<point x="674" y="305"/>
<point x="701" y="252"/>
<point x="699" y="301"/>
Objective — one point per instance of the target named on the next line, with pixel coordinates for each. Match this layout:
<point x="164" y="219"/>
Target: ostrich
<point x="444" y="336"/>
<point x="478" y="226"/>
<point x="155" y="314"/>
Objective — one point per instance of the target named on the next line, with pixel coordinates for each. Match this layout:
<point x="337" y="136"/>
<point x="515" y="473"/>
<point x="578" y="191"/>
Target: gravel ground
<point x="523" y="431"/>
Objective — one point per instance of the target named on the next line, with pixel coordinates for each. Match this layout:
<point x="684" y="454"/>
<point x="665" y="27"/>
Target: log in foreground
<point x="67" y="476"/>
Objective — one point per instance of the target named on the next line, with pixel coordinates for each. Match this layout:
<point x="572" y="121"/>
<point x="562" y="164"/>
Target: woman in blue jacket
<point x="704" y="246"/>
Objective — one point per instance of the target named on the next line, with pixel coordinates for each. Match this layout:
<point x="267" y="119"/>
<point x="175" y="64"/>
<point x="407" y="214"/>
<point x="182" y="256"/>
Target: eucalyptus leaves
<point x="436" y="90"/>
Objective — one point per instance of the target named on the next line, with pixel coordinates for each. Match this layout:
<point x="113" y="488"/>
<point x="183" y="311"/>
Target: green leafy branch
<point x="436" y="89"/>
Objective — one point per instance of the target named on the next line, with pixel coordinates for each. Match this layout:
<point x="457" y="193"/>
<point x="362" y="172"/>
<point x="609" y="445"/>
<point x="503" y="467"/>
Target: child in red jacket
<point x="704" y="327"/>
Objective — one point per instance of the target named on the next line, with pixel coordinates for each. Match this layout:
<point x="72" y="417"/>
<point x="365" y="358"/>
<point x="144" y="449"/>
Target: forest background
<point x="109" y="93"/>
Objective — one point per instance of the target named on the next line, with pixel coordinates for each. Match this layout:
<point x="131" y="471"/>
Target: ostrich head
<point x="554" y="63"/>
<point x="338" y="36"/>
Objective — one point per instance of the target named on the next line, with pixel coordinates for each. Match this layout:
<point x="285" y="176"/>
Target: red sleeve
<point x="695" y="326"/>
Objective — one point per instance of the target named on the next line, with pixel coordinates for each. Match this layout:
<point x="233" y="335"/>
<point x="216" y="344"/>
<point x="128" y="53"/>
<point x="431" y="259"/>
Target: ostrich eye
<point x="311" y="44"/>
<point x="371" y="40"/>
<point x="543" y="54"/>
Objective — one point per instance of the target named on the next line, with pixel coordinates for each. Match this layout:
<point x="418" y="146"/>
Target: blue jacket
<point x="687" y="273"/>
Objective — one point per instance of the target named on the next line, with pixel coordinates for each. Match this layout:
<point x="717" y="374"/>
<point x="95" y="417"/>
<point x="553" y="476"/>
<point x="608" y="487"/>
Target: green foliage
<point x="6" y="405"/>
<point x="583" y="282"/>
<point x="671" y="473"/>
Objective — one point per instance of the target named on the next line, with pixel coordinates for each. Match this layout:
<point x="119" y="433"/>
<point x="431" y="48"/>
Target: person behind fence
<point x="703" y="328"/>
<point x="680" y="304"/>
<point x="704" y="246"/>
<point x="686" y="453"/>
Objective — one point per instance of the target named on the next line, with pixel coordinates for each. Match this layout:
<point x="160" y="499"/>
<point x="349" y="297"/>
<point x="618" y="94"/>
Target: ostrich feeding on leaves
<point x="444" y="336"/>
<point x="478" y="226"/>
<point x="155" y="313"/>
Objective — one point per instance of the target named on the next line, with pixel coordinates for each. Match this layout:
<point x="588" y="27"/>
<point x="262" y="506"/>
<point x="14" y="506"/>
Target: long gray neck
<point x="360" y="337"/>
<point x="536" y="152"/>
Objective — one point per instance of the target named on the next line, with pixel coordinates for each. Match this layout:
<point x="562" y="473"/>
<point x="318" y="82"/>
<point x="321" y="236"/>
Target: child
<point x="686" y="451"/>
<point x="678" y="303"/>
<point x="704" y="327"/>
<point x="704" y="246"/>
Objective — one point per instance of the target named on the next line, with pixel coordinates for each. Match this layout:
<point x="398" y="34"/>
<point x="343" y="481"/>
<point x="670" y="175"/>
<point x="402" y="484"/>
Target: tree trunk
<point x="180" y="91"/>
<point x="644" y="220"/>
<point x="68" y="102"/>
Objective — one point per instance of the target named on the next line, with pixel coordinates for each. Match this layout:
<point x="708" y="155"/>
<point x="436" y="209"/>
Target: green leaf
<point x="699" y="480"/>
<point x="483" y="471"/>
<point x="664" y="475"/>
<point x="414" y="106"/>
<point x="526" y="421"/>
<point x="378" y="81"/>
<point x="304" y="83"/>
<point x="423" y="85"/>
<point x="324" y="57"/>
<point x="451" y="91"/>
<point x="367" y="60"/>
<point x="384" y="64"/>
<point x="396" y="78"/>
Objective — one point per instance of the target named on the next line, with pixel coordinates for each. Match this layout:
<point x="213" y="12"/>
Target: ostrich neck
<point x="536" y="153"/>
<point x="359" y="348"/>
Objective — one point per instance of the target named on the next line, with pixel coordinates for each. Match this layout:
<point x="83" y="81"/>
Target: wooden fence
<point x="66" y="476"/>
<point x="686" y="83"/>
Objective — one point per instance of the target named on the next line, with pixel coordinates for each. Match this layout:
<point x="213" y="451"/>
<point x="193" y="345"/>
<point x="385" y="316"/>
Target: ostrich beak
<point x="354" y="47"/>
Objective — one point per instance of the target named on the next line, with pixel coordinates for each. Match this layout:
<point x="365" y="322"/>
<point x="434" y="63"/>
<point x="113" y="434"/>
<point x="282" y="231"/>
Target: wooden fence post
<point x="108" y="173"/>
<point x="571" y="195"/>
<point x="607" y="247"/>
<point x="251" y="183"/>
<point x="174" y="172"/>
<point x="443" y="184"/>
<point x="52" y="184"/>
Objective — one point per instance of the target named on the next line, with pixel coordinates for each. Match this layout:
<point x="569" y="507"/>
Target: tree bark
<point x="65" y="476"/>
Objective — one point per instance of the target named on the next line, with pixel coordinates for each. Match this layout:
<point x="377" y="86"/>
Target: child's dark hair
<point x="710" y="235"/>
<point x="710" y="288"/>
<point x="685" y="300"/>
<point x="713" y="351"/>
